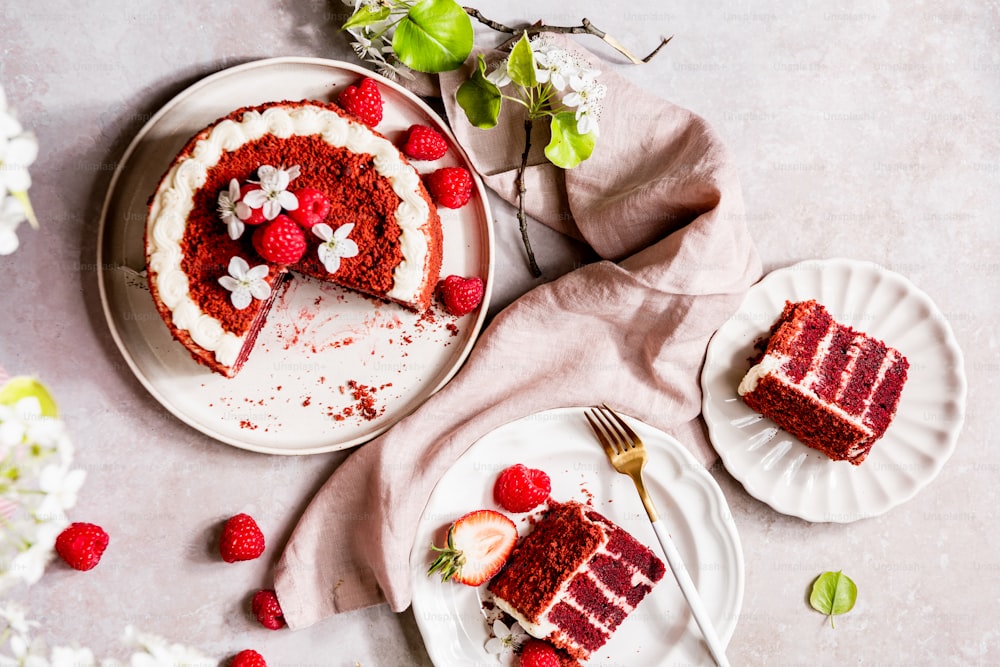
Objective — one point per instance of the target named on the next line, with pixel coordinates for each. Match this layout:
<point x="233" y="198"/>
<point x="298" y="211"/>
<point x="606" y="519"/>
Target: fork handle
<point x="715" y="646"/>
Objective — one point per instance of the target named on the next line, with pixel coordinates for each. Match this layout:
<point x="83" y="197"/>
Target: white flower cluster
<point x="567" y="73"/>
<point x="149" y="650"/>
<point x="18" y="149"/>
<point x="371" y="45"/>
<point x="37" y="486"/>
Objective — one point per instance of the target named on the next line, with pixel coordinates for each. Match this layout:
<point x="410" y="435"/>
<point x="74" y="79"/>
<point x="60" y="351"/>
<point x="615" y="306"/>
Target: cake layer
<point x="575" y="579"/>
<point x="834" y="388"/>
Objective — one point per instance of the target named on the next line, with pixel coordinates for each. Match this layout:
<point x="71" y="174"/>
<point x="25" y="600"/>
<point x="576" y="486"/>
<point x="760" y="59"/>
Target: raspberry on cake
<point x="832" y="387"/>
<point x="575" y="578"/>
<point x="298" y="186"/>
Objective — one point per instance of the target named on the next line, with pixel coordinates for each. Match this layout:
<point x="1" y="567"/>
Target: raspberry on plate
<point x="248" y="658"/>
<point x="450" y="187"/>
<point x="364" y="101"/>
<point x="267" y="610"/>
<point x="81" y="545"/>
<point x="281" y="240"/>
<point x="424" y="143"/>
<point x="521" y="489"/>
<point x="461" y="295"/>
<point x="241" y="539"/>
<point x="537" y="653"/>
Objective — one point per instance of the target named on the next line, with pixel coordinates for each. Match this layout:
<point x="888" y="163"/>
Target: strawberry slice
<point x="478" y="546"/>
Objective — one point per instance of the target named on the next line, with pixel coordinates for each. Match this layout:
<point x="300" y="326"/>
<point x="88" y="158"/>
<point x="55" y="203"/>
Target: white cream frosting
<point x="174" y="199"/>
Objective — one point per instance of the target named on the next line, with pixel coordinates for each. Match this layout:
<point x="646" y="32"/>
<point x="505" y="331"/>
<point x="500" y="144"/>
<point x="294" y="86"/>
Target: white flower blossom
<point x="586" y="97"/>
<point x="229" y="210"/>
<point x="12" y="214"/>
<point x="335" y="245"/>
<point x="554" y="66"/>
<point x="273" y="194"/>
<point x="245" y="283"/>
<point x="506" y="639"/>
<point x="500" y="76"/>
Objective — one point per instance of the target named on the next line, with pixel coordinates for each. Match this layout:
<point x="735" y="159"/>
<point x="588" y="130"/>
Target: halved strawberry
<point x="478" y="546"/>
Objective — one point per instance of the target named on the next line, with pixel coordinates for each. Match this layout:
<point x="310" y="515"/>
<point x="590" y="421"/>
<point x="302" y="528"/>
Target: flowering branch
<point x="18" y="149"/>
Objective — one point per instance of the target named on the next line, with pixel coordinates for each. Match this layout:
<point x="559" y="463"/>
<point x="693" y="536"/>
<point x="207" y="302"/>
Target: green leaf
<point x="480" y="98"/>
<point x="366" y="16"/>
<point x="568" y="148"/>
<point x="20" y="387"/>
<point x="521" y="64"/>
<point x="434" y="36"/>
<point x="833" y="593"/>
<point x="29" y="212"/>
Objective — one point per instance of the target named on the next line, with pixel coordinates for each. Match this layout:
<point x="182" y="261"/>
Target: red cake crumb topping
<point x="357" y="193"/>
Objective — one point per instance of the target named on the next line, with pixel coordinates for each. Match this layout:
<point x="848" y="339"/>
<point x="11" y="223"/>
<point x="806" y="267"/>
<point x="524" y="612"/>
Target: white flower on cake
<point x="506" y="639"/>
<point x="273" y="194"/>
<point x="245" y="283"/>
<point x="229" y="210"/>
<point x="335" y="244"/>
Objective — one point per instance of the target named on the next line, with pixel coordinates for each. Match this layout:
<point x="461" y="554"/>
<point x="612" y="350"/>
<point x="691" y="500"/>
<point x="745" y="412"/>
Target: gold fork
<point x="627" y="454"/>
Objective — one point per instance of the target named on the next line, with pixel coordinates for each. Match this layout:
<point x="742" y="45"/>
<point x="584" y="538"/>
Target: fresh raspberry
<point x="266" y="608"/>
<point x="461" y="295"/>
<point x="280" y="241"/>
<point x="450" y="187"/>
<point x="248" y="658"/>
<point x="313" y="208"/>
<point x="81" y="545"/>
<point x="363" y="101"/>
<point x="242" y="539"/>
<point x="521" y="489"/>
<point x="424" y="143"/>
<point x="254" y="216"/>
<point x="537" y="653"/>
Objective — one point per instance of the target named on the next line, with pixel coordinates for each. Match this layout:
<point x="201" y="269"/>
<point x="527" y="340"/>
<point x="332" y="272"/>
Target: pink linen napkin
<point x="660" y="200"/>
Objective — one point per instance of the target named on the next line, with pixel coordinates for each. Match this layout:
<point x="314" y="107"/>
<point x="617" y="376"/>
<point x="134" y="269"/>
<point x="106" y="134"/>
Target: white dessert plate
<point x="331" y="369"/>
<point x="794" y="479"/>
<point x="452" y="618"/>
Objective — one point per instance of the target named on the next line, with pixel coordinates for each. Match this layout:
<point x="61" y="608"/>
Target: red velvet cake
<point x="833" y="388"/>
<point x="575" y="578"/>
<point x="286" y="186"/>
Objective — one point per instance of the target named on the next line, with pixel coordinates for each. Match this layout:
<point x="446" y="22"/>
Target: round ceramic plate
<point x="452" y="617"/>
<point x="331" y="369"/>
<point x="794" y="479"/>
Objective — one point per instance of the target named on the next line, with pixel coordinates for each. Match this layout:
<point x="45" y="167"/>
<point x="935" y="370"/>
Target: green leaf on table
<point x="480" y="98"/>
<point x="434" y="36"/>
<point x="21" y="387"/>
<point x="833" y="593"/>
<point x="366" y="16"/>
<point x="521" y="64"/>
<point x="568" y="147"/>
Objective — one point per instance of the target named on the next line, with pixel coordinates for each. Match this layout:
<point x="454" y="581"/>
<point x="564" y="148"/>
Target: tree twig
<point x="585" y="28"/>
<point x="522" y="189"/>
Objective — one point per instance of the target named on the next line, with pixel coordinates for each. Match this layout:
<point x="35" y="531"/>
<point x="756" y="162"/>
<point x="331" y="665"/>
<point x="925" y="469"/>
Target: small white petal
<point x="323" y="231"/>
<point x="288" y="201"/>
<point x="347" y="248"/>
<point x="230" y="283"/>
<point x="236" y="228"/>
<point x="234" y="190"/>
<point x="272" y="209"/>
<point x="260" y="290"/>
<point x="238" y="267"/>
<point x="258" y="272"/>
<point x="241" y="298"/>
<point x="255" y="198"/>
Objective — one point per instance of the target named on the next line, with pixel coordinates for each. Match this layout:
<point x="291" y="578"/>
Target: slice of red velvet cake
<point x="575" y="578"/>
<point x="287" y="186"/>
<point x="832" y="387"/>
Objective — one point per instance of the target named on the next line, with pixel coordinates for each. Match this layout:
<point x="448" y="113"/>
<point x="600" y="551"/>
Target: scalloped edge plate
<point x="794" y="479"/>
<point x="295" y="393"/>
<point x="661" y="630"/>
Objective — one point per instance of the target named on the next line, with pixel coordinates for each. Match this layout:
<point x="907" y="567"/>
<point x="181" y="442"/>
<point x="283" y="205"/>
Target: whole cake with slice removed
<point x="832" y="387"/>
<point x="575" y="578"/>
<point x="291" y="186"/>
